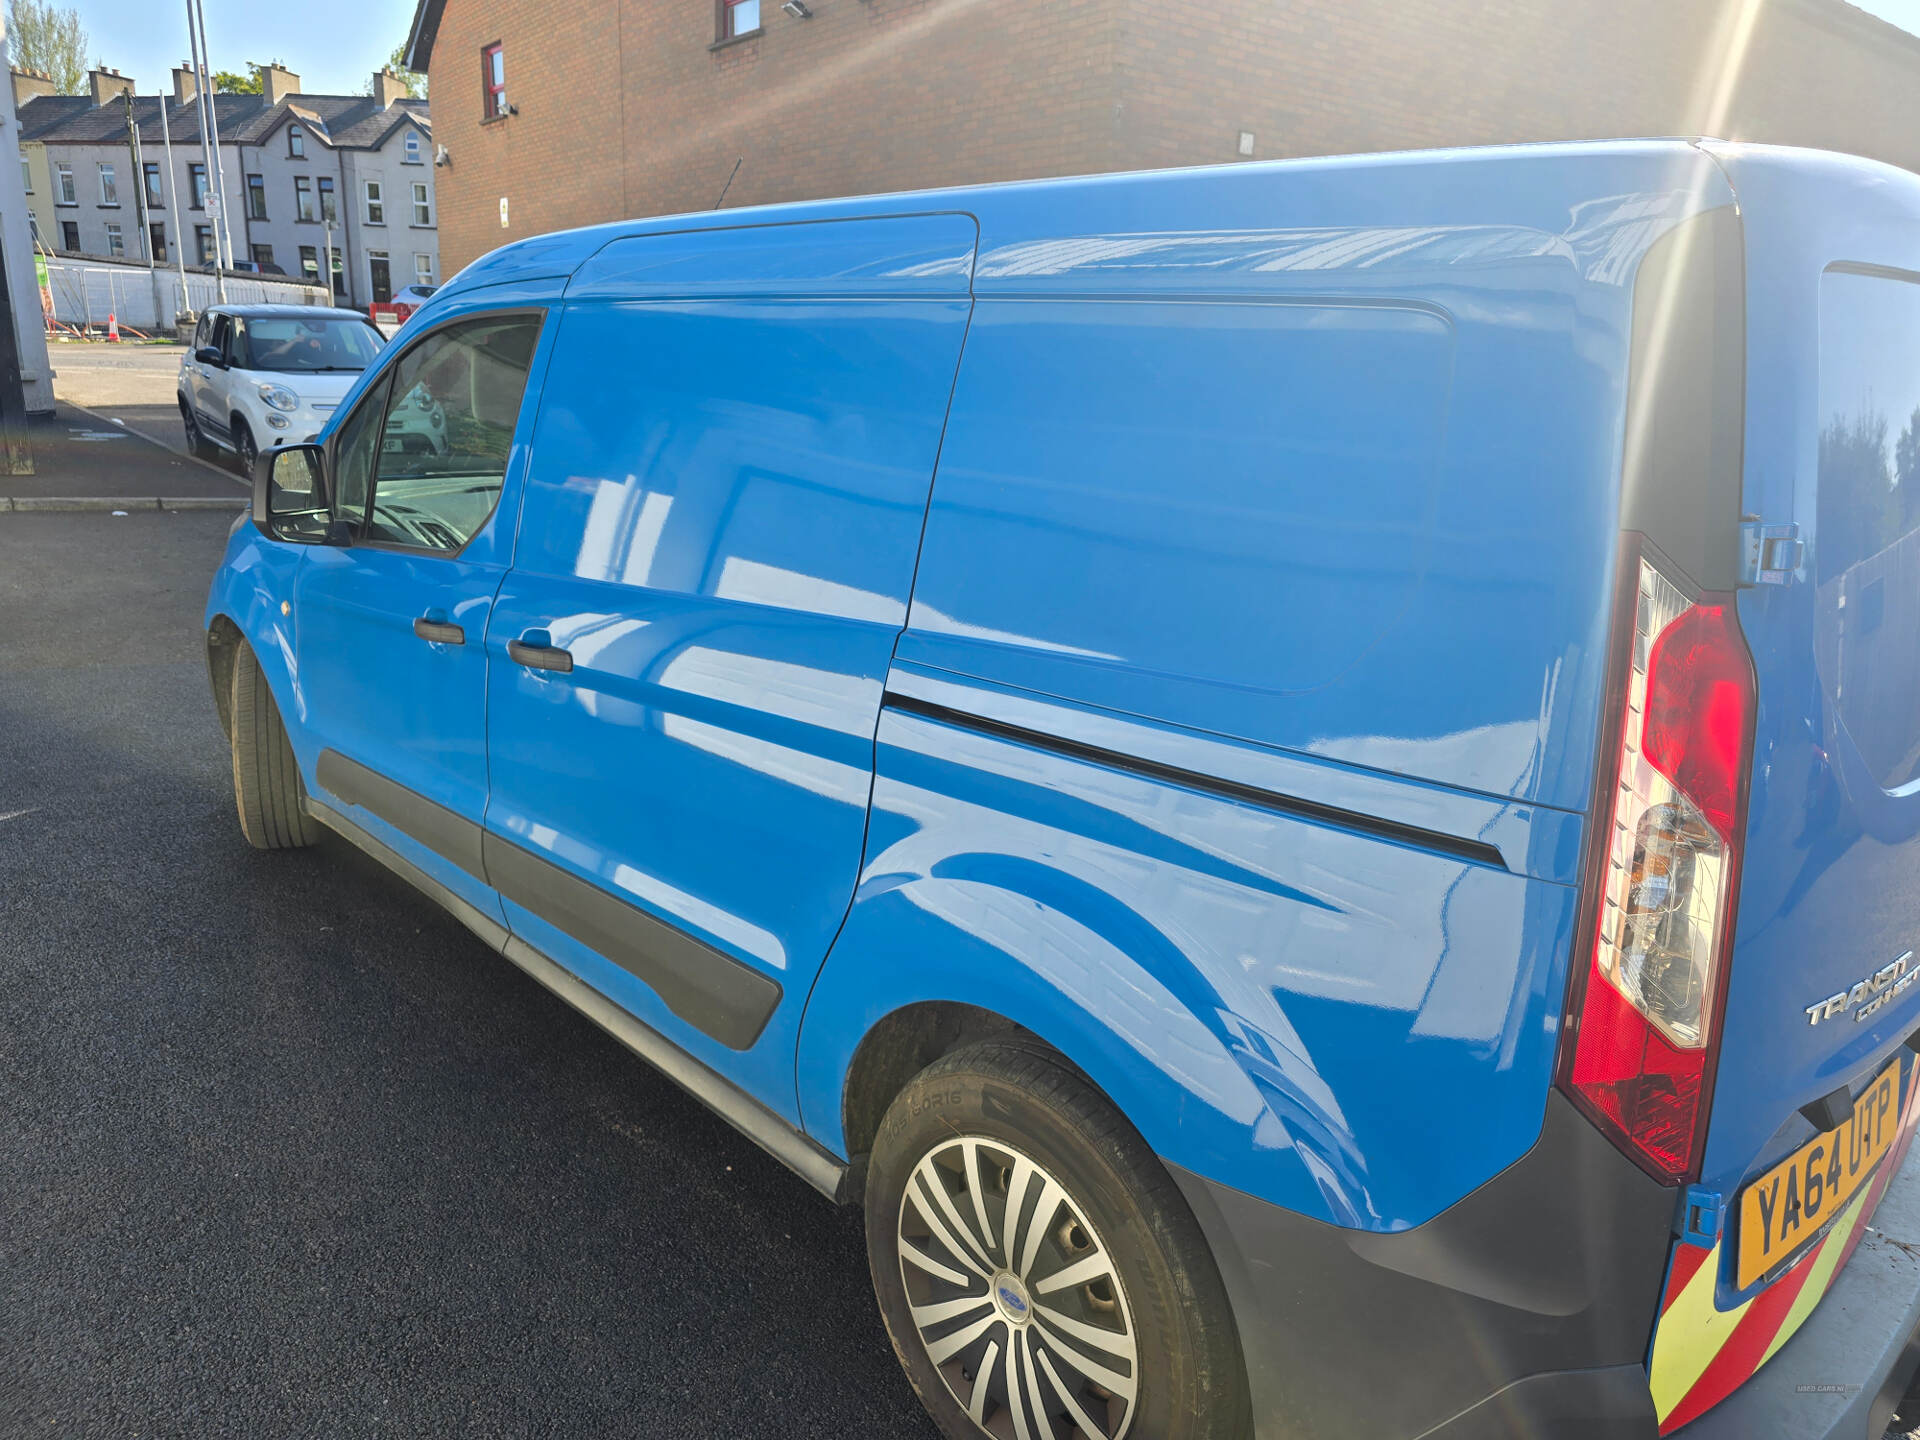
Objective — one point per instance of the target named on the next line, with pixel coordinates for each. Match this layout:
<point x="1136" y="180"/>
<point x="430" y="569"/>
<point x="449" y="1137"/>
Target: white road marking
<point x="16" y="814"/>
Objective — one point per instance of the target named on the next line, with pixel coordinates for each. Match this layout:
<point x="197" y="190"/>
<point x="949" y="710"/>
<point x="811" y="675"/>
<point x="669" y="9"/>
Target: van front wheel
<point x="1038" y="1271"/>
<point x="266" y="779"/>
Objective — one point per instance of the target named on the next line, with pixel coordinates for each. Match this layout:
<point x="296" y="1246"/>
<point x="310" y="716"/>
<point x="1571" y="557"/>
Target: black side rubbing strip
<point x="432" y="824"/>
<point x="1479" y="852"/>
<point x="705" y="987"/>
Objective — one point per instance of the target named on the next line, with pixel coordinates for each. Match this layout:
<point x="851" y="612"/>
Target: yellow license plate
<point x="1786" y="1207"/>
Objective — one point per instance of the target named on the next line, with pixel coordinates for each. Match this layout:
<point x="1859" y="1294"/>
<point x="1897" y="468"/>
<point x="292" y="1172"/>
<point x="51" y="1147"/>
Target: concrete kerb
<point x="110" y="504"/>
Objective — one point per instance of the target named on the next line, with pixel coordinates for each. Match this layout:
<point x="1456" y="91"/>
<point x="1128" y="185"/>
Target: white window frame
<point x="26" y="174"/>
<point x="422" y="204"/>
<point x="116" y="241"/>
<point x="65" y="191"/>
<point x="375" y="205"/>
<point x="109" y="183"/>
<point x="412" y="147"/>
<point x="422" y="269"/>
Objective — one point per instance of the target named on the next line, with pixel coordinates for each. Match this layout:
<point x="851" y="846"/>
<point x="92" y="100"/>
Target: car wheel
<point x="1038" y="1271"/>
<point x="245" y="451"/>
<point x="198" y="445"/>
<point x="266" y="781"/>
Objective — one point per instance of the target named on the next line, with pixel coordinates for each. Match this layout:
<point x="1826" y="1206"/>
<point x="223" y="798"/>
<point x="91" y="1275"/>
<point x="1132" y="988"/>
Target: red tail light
<point x="1642" y="1041"/>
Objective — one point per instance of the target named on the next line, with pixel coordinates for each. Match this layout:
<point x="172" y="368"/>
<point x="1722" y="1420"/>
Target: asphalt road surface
<point x="284" y="1151"/>
<point x="133" y="386"/>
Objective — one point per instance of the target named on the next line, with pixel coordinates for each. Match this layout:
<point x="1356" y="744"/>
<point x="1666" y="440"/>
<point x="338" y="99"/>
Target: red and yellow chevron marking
<point x="1701" y="1354"/>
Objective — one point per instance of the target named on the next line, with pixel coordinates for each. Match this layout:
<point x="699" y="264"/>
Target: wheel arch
<point x="223" y="645"/>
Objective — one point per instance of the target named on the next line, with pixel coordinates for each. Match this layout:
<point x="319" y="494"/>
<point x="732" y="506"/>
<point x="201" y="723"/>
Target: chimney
<point x="104" y="85"/>
<point x="28" y="84"/>
<point x="186" y="84"/>
<point x="277" y="84"/>
<point x="387" y="88"/>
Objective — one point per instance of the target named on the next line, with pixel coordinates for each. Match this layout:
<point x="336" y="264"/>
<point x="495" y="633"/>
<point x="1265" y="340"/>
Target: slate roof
<point x="340" y="122"/>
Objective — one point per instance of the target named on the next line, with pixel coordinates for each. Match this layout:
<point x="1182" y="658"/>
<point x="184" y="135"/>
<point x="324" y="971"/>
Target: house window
<point x="738" y="17"/>
<point x="302" y="198"/>
<point x="422" y="207"/>
<point x="296" y="142"/>
<point x="26" y="174"/>
<point x="493" y="83"/>
<point x="310" y="264"/>
<point x="63" y="183"/>
<point x="329" y="212"/>
<point x="150" y="179"/>
<point x="256" y="197"/>
<point x="376" y="210"/>
<point x="115" y="245"/>
<point x="203" y="243"/>
<point x="109" y="187"/>
<point x="263" y="257"/>
<point x="197" y="184"/>
<point x="69" y="235"/>
<point x="423" y="269"/>
<point x="157" y="239"/>
<point x="412" y="144"/>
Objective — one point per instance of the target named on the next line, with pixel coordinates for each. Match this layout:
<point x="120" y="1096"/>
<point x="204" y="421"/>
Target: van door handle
<point x="535" y="650"/>
<point x="434" y="626"/>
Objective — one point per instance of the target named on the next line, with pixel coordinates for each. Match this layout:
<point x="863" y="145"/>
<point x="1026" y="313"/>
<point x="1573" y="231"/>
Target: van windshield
<point x="304" y="343"/>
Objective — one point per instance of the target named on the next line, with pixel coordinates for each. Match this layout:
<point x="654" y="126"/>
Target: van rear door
<point x="1811" y="1102"/>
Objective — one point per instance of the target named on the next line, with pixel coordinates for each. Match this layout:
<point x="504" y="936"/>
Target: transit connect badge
<point x="1869" y="994"/>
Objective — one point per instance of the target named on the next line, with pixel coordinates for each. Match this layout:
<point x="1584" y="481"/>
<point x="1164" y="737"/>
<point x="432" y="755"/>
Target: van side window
<point x="353" y="455"/>
<point x="450" y="417"/>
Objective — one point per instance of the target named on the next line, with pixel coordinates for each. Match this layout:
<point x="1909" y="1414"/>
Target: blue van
<point x="1305" y="778"/>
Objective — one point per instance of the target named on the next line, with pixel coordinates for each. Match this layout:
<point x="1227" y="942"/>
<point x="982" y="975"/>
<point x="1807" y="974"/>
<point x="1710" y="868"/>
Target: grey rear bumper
<point x="1842" y="1375"/>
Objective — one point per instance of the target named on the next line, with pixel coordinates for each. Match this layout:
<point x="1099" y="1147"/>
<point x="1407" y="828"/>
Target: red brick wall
<point x="627" y="108"/>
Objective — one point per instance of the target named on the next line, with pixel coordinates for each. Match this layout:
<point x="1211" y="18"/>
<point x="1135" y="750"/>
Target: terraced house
<point x="314" y="184"/>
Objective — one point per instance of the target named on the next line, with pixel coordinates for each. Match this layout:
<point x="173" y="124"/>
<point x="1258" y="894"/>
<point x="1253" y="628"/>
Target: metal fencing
<point x="86" y="292"/>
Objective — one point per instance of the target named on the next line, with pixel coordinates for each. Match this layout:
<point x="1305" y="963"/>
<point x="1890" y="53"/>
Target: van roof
<point x="1562" y="193"/>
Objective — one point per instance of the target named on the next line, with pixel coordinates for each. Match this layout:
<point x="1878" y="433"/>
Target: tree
<point x="414" y="80"/>
<point x="49" y="38"/>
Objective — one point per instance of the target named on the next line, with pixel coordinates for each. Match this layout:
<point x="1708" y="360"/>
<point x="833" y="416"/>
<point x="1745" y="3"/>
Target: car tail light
<point x="1639" y="1053"/>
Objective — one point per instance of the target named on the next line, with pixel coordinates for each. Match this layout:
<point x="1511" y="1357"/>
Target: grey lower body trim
<point x="706" y="987"/>
<point x="771" y="1132"/>
<point x="452" y="836"/>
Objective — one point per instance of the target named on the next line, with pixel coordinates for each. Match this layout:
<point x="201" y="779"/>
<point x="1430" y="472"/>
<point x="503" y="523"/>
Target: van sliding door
<point x="724" y="505"/>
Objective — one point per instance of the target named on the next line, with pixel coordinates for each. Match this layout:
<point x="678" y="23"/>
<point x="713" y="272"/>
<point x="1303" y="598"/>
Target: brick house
<point x="309" y="178"/>
<point x="551" y="117"/>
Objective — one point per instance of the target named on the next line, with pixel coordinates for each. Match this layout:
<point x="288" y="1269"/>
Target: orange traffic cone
<point x="113" y="327"/>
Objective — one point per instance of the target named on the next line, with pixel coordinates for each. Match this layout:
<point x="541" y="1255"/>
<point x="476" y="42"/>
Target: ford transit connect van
<point x="1305" y="778"/>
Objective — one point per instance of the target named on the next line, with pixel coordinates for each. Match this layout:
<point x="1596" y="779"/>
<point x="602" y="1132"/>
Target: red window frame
<point x="727" y="10"/>
<point x="493" y="89"/>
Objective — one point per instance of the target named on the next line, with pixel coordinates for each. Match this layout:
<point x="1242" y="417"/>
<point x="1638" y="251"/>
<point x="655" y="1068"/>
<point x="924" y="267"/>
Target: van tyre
<point x="266" y="781"/>
<point x="1055" y="1278"/>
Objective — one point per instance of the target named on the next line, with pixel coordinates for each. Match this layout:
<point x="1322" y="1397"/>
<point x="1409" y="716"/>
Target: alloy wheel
<point x="1016" y="1296"/>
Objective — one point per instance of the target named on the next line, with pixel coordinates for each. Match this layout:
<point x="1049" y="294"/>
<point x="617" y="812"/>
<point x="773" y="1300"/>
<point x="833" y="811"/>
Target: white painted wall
<point x="16" y="238"/>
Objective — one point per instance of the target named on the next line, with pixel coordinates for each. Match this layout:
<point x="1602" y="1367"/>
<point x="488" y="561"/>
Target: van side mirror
<point x="210" y="355"/>
<point x="290" y="496"/>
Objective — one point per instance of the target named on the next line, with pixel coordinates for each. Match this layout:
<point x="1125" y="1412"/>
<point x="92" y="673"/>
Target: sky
<point x="332" y="45"/>
<point x="1904" y="13"/>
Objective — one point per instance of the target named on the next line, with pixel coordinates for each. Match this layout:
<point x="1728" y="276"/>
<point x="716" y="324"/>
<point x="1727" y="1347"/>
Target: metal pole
<point x="224" y="231"/>
<point x="139" y="180"/>
<point x="202" y="104"/>
<point x="173" y="204"/>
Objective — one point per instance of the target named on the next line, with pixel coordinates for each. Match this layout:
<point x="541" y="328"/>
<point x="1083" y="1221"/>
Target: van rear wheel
<point x="1037" y="1269"/>
<point x="266" y="780"/>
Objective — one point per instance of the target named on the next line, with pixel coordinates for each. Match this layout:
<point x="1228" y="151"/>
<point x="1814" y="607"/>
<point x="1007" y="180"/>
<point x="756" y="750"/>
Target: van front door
<point x="716" y="549"/>
<point x="389" y="628"/>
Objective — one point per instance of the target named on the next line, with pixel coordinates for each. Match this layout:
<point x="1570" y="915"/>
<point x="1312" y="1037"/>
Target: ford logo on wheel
<point x="1012" y="1300"/>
